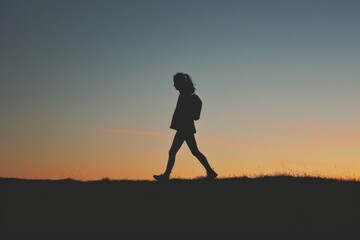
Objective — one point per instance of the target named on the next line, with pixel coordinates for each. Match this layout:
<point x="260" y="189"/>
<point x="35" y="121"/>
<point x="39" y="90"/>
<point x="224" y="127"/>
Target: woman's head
<point x="183" y="83"/>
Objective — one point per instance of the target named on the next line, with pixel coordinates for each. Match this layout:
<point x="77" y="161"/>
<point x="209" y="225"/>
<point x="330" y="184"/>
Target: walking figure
<point x="187" y="110"/>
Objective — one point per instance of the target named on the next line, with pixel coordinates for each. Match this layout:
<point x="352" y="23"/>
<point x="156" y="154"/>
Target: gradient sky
<point x="86" y="86"/>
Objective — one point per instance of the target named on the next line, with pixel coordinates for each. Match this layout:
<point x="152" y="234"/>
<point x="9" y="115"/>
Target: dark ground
<point x="235" y="208"/>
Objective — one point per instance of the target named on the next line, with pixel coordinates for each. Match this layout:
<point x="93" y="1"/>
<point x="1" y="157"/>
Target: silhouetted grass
<point x="265" y="207"/>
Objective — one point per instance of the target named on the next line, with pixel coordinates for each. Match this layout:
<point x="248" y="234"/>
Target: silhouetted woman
<point x="183" y="123"/>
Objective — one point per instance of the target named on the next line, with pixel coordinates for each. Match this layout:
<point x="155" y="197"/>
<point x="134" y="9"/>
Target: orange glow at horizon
<point x="138" y="154"/>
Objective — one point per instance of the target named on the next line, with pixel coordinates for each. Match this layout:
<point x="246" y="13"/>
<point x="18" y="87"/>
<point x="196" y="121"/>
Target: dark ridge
<point x="267" y="207"/>
<point x="199" y="179"/>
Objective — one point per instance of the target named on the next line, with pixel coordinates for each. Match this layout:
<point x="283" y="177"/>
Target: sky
<point x="86" y="87"/>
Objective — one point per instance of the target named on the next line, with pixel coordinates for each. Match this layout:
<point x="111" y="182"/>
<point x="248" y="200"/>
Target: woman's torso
<point x="182" y="119"/>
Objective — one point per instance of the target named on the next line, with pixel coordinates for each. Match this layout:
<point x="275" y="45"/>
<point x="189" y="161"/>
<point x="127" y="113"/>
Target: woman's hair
<point x="184" y="83"/>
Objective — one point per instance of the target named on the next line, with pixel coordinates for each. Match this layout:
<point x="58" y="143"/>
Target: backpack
<point x="196" y="105"/>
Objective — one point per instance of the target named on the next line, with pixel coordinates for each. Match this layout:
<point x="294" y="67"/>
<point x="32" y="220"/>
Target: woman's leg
<point x="177" y="143"/>
<point x="191" y="142"/>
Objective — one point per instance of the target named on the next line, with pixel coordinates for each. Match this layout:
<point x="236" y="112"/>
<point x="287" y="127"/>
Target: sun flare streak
<point x="134" y="132"/>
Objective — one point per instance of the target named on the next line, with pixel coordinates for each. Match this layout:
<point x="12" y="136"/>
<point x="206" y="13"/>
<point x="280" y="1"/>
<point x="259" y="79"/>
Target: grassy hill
<point x="279" y="207"/>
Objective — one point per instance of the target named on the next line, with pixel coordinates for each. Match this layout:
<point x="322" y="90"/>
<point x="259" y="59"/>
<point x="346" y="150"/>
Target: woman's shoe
<point x="162" y="177"/>
<point x="211" y="174"/>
